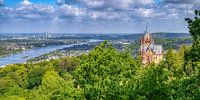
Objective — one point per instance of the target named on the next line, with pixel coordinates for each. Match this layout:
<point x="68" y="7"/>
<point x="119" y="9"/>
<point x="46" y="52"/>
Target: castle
<point x="148" y="50"/>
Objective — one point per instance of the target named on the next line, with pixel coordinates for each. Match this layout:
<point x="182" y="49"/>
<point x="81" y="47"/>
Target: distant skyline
<point x="95" y="16"/>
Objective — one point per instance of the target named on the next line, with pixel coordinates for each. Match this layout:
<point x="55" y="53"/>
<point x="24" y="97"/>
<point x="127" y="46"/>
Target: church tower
<point x="148" y="50"/>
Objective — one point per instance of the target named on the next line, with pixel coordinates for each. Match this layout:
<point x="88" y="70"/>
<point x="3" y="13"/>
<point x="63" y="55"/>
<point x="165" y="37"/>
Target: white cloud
<point x="71" y="10"/>
<point x="99" y="10"/>
<point x="145" y="12"/>
<point x="146" y="1"/>
<point x="94" y="3"/>
<point x="172" y="16"/>
<point x="107" y="15"/>
<point x="114" y="4"/>
<point x="190" y="12"/>
<point x="103" y="10"/>
<point x="186" y="6"/>
<point x="25" y="3"/>
<point x="179" y="6"/>
<point x="47" y="9"/>
<point x="34" y="11"/>
<point x="124" y="4"/>
<point x="182" y="1"/>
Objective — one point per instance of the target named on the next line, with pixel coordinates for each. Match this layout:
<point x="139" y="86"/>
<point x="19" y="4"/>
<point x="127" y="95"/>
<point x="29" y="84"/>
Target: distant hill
<point x="171" y="35"/>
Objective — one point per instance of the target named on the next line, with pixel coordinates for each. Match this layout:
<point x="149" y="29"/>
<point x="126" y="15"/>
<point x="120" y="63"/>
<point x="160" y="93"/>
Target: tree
<point x="34" y="77"/>
<point x="9" y="90"/>
<point x="194" y="29"/>
<point x="153" y="83"/>
<point x="105" y="73"/>
<point x="170" y="58"/>
<point x="6" y="85"/>
<point x="189" y="88"/>
<point x="53" y="87"/>
<point x="15" y="97"/>
<point x="181" y="55"/>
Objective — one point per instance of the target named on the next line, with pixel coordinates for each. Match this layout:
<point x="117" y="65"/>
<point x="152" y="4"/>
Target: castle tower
<point x="148" y="50"/>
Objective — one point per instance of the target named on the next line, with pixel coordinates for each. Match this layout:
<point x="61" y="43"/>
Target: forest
<point x="108" y="74"/>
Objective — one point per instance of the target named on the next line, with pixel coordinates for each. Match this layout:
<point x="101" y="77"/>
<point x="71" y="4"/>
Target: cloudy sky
<point x="95" y="16"/>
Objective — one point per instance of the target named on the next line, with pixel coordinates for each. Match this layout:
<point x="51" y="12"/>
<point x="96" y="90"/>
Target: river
<point x="25" y="55"/>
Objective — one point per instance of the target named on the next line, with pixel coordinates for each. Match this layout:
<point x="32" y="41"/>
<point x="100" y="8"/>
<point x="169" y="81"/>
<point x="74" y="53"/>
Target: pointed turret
<point x="148" y="50"/>
<point x="147" y="38"/>
<point x="146" y="30"/>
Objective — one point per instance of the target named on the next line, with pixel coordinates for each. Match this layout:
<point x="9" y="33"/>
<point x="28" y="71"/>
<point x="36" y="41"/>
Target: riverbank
<point x="10" y="53"/>
<point x="35" y="52"/>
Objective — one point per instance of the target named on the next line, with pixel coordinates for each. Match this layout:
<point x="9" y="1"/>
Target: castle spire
<point x="146" y="31"/>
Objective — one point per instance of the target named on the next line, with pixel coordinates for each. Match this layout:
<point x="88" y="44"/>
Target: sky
<point x="95" y="16"/>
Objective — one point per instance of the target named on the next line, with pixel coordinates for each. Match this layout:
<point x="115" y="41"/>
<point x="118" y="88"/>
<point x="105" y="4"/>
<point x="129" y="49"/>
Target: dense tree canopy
<point x="105" y="72"/>
<point x="194" y="27"/>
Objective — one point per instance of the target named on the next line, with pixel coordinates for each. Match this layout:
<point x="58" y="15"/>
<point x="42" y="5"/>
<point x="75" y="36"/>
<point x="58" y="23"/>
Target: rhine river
<point x="25" y="55"/>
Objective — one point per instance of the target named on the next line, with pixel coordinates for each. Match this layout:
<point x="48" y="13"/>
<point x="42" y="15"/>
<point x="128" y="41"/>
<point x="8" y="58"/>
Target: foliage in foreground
<point x="104" y="73"/>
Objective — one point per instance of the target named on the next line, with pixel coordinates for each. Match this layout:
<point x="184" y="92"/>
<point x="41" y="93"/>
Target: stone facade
<point x="149" y="51"/>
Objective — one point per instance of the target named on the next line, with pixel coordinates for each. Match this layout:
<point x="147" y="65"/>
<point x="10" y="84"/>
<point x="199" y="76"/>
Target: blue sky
<point x="95" y="16"/>
<point x="13" y="3"/>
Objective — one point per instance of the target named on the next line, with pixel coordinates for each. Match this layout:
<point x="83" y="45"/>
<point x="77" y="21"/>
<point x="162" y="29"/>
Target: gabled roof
<point x="157" y="49"/>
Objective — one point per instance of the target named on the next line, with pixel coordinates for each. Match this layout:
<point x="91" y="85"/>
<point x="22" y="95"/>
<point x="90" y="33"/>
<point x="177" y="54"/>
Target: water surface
<point x="25" y="55"/>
